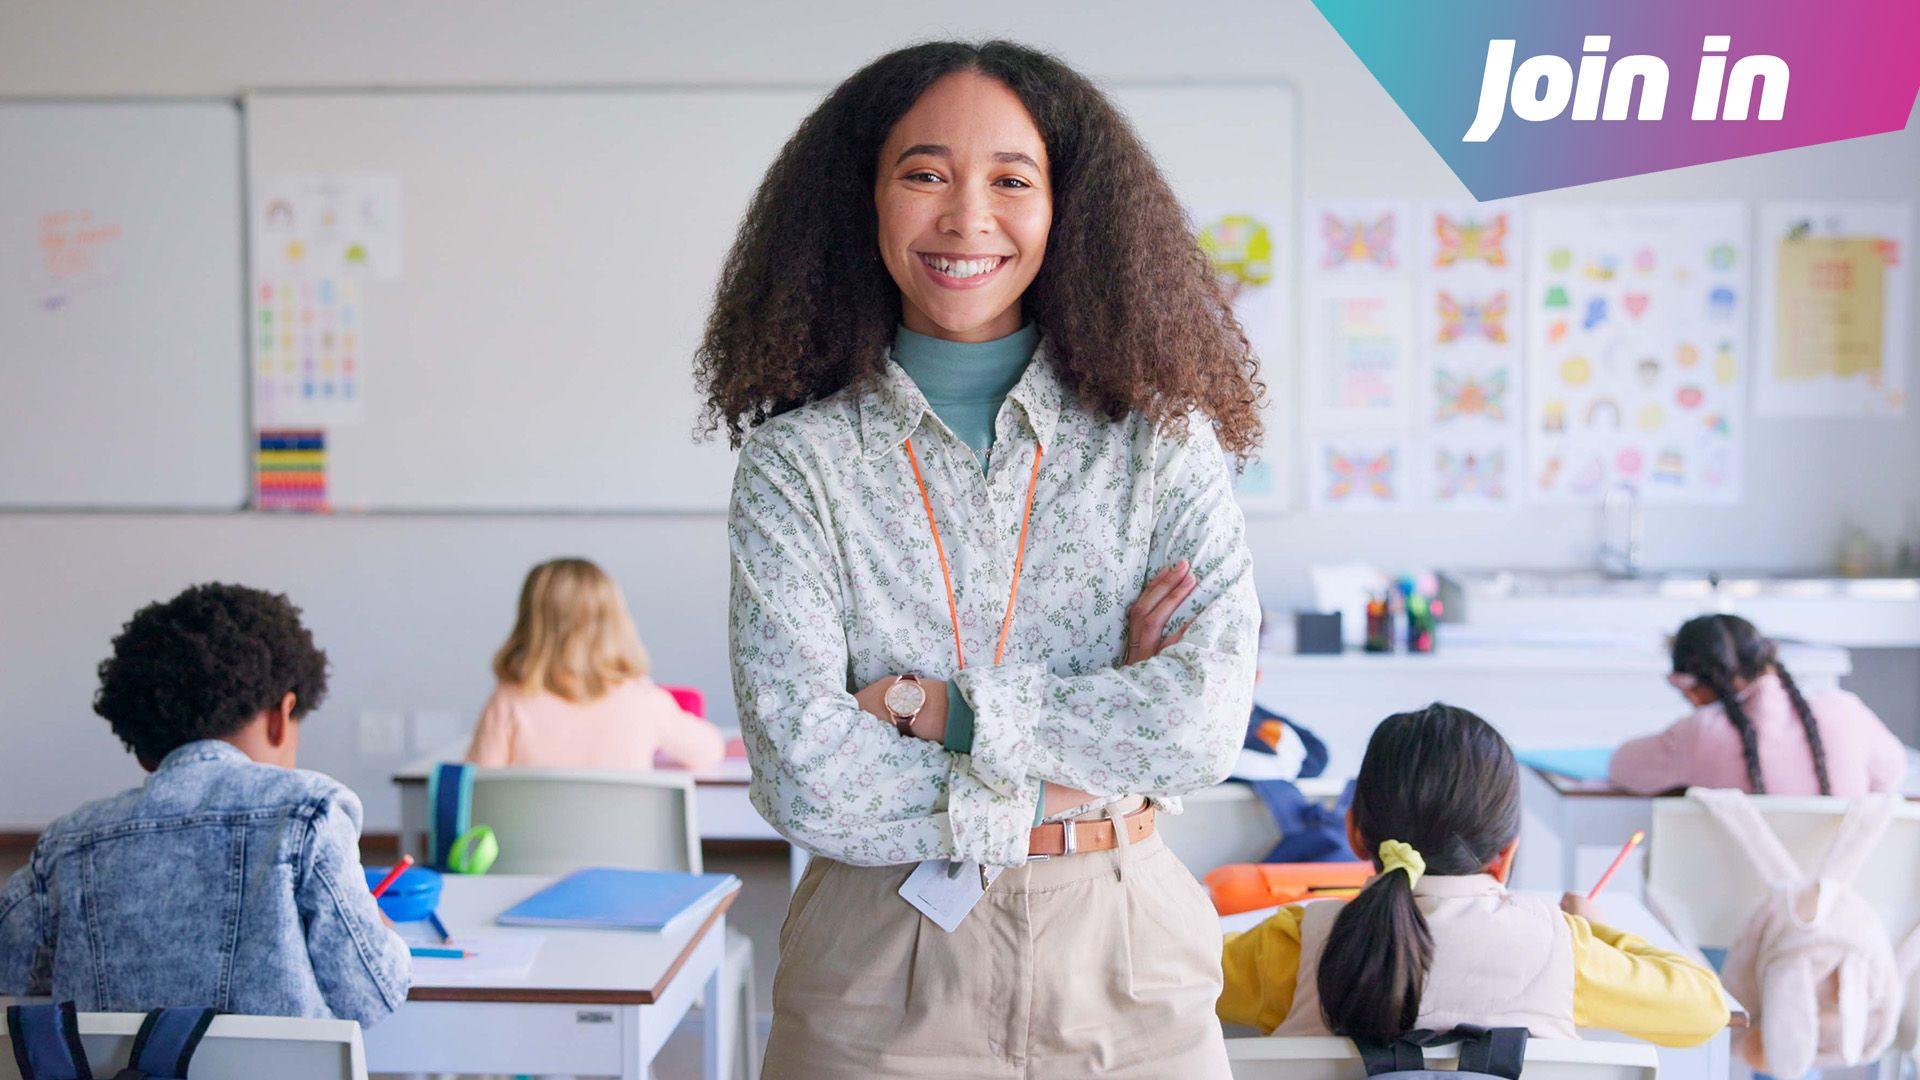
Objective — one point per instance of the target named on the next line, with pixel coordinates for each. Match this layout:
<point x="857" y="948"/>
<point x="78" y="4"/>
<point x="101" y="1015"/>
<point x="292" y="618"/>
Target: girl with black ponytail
<point x="1435" y="939"/>
<point x="1752" y="728"/>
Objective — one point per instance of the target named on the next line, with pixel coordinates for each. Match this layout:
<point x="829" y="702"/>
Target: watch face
<point x="905" y="698"/>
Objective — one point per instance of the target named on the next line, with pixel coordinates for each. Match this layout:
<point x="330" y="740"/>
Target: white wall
<point x="410" y="607"/>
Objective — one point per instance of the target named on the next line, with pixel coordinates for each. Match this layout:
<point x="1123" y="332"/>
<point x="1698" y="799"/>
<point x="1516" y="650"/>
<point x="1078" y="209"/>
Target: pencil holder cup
<point x="412" y="896"/>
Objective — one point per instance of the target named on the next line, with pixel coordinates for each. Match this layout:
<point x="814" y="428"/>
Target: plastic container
<point x="412" y="896"/>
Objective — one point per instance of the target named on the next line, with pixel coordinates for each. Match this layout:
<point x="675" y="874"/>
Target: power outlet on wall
<point x="382" y="733"/>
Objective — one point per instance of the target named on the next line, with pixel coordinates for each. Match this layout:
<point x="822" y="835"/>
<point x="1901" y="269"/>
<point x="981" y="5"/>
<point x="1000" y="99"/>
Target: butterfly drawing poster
<point x="1357" y="238"/>
<point x="1637" y="321"/>
<point x="1469" y="473"/>
<point x="1359" y="472"/>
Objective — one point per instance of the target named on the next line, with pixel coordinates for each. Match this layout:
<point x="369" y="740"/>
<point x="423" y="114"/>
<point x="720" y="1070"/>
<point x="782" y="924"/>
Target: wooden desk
<point x="1708" y="1061"/>
<point x="595" y="1003"/>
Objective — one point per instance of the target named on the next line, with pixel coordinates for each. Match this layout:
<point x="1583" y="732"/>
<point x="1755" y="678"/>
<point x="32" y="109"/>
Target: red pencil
<point x="400" y="867"/>
<point x="1632" y="842"/>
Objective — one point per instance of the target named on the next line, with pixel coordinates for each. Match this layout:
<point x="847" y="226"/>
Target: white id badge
<point x="944" y="896"/>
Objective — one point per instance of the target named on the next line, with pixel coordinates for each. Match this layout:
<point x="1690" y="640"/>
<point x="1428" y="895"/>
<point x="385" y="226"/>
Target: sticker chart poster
<point x="1637" y="325"/>
<point x="316" y="241"/>
<point x="1246" y="248"/>
<point x="1357" y="351"/>
<point x="1357" y="471"/>
<point x="1468" y="360"/>
<point x="1834" y="279"/>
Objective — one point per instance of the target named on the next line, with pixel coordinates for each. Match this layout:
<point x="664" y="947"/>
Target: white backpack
<point x="1815" y="966"/>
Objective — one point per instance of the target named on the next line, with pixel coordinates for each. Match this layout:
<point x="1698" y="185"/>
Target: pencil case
<point x="412" y="896"/>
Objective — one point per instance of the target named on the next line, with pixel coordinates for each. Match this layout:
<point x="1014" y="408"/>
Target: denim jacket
<point x="220" y="882"/>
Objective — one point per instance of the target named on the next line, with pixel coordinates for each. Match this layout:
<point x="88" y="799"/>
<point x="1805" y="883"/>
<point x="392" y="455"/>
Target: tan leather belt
<point x="1094" y="834"/>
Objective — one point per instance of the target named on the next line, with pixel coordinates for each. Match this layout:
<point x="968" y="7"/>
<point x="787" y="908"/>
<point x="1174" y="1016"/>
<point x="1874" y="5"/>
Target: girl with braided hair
<point x="1753" y="729"/>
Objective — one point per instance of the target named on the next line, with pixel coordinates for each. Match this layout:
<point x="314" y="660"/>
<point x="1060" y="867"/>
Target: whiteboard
<point x="122" y="369"/>
<point x="559" y="251"/>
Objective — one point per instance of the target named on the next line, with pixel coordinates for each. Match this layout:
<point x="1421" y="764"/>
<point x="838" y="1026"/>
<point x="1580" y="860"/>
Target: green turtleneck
<point x="966" y="382"/>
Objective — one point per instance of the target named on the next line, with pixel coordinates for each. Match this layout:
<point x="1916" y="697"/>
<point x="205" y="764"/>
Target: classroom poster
<point x="308" y="352"/>
<point x="1834" y="285"/>
<point x="1247" y="248"/>
<point x="317" y="240"/>
<point x="1358" y="318"/>
<point x="1468" y="369"/>
<point x="1637" y="325"/>
<point x="1357" y="471"/>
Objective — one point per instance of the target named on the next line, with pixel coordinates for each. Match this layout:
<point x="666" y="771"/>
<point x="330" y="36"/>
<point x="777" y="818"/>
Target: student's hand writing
<point x="1147" y="618"/>
<point x="1576" y="904"/>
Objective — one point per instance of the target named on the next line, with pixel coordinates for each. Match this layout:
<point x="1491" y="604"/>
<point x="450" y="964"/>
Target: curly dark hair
<point x="1135" y="320"/>
<point x="200" y="665"/>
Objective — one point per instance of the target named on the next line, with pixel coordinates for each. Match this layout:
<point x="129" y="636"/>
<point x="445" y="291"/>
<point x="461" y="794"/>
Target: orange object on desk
<point x="1239" y="887"/>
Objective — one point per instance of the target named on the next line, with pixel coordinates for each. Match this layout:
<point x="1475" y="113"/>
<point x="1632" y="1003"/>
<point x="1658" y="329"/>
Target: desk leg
<point x="718" y="1021"/>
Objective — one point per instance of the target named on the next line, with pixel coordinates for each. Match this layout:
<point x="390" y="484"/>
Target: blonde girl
<point x="573" y="688"/>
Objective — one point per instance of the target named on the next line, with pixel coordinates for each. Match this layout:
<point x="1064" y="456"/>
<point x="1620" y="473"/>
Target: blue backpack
<point x="46" y="1043"/>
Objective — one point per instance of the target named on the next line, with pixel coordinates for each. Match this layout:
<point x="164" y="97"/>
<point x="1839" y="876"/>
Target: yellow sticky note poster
<point x="1828" y="318"/>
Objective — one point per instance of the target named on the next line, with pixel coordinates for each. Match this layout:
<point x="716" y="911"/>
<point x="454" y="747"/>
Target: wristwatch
<point x="904" y="700"/>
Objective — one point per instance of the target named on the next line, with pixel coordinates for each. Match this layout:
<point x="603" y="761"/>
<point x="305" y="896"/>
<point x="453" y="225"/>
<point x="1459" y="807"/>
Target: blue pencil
<point x="432" y="953"/>
<point x="439" y="927"/>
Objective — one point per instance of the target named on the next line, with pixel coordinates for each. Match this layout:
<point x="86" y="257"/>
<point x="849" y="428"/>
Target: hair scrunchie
<point x="1398" y="855"/>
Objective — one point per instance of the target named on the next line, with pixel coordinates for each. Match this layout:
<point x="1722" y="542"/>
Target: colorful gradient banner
<point x="1854" y="70"/>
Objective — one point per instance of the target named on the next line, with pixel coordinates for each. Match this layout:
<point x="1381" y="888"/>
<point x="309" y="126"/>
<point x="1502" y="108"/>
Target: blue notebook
<point x="619" y="899"/>
<point x="1584" y="763"/>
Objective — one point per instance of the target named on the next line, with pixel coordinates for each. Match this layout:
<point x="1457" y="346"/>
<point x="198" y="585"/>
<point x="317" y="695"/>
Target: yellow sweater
<point x="1620" y="982"/>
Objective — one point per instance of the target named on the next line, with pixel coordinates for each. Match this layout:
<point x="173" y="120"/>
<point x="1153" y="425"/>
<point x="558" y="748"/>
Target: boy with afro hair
<point x="231" y="878"/>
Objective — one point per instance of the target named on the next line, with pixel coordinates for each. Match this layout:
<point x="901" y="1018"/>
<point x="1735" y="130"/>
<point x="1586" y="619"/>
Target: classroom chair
<point x="552" y="821"/>
<point x="235" y="1047"/>
<point x="1325" y="1057"/>
<point x="1705" y="891"/>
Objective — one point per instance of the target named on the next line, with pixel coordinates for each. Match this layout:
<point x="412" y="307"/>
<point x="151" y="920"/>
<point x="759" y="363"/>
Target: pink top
<point x="620" y="730"/>
<point x="1703" y="750"/>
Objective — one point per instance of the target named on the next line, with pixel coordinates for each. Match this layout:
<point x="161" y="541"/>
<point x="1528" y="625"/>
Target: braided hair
<point x="1722" y="650"/>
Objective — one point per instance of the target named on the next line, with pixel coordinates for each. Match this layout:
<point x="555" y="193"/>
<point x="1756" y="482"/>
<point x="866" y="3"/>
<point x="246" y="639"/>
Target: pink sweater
<point x="1703" y="750"/>
<point x="620" y="730"/>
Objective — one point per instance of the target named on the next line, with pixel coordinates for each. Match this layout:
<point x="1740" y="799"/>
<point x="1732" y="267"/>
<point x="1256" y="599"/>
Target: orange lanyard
<point x="1019" y="556"/>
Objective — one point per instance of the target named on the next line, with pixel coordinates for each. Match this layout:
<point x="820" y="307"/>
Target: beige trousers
<point x="1099" y="964"/>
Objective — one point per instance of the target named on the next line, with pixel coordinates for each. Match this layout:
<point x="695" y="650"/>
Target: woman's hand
<point x="930" y="724"/>
<point x="1147" y="619"/>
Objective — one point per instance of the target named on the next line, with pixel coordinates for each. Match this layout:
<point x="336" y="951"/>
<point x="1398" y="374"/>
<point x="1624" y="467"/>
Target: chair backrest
<point x="552" y="821"/>
<point x="690" y="699"/>
<point x="1323" y="1057"/>
<point x="1692" y="866"/>
<point x="235" y="1047"/>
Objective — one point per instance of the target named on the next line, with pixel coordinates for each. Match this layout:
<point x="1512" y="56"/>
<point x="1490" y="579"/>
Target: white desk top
<point x="1461" y="649"/>
<point x="1618" y="911"/>
<point x="588" y="967"/>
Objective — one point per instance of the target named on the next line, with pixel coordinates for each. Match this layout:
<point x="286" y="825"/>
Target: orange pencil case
<point x="1239" y="887"/>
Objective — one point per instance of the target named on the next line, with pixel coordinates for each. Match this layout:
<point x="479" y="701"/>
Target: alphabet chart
<point x="1638" y="351"/>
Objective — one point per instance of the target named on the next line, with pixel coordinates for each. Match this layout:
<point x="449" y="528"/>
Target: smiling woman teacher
<point x="983" y="378"/>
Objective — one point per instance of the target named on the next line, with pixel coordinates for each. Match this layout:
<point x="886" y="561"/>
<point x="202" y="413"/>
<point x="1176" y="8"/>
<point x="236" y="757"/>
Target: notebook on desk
<point x="1582" y="763"/>
<point x="602" y="898"/>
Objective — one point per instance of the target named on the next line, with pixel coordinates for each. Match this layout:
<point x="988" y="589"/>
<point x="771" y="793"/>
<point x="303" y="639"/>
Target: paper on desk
<point x="493" y="959"/>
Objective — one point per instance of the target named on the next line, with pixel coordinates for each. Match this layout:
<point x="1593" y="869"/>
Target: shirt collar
<point x="894" y="409"/>
<point x="202" y="750"/>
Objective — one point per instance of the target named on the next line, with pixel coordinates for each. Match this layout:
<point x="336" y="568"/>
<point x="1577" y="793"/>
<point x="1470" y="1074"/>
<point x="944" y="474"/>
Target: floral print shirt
<point x="836" y="583"/>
